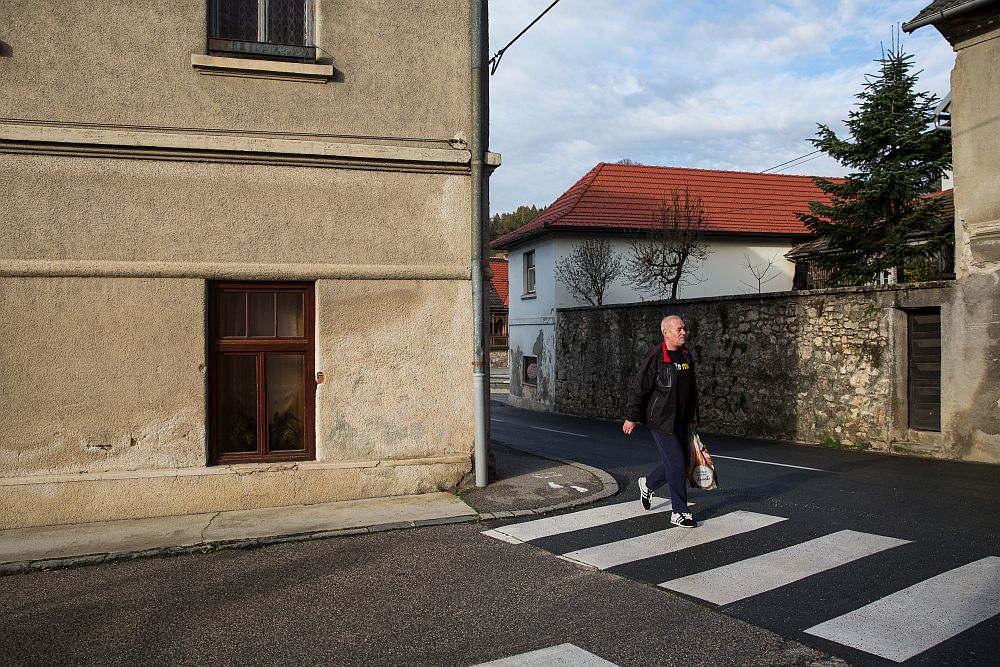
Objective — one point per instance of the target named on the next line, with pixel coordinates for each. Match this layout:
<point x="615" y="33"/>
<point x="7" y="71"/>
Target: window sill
<point x="529" y="295"/>
<point x="261" y="69"/>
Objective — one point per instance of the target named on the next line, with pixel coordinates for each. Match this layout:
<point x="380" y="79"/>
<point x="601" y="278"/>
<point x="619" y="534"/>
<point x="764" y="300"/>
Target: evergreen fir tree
<point x="894" y="158"/>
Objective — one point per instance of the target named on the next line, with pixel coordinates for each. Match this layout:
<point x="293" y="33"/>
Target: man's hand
<point x="628" y="427"/>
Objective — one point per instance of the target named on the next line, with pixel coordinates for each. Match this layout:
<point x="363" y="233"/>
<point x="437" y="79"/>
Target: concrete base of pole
<point x="481" y="454"/>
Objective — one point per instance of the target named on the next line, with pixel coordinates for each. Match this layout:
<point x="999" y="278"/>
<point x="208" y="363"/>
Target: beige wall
<point x="61" y="208"/>
<point x="101" y="374"/>
<point x="109" y="236"/>
<point x="972" y="336"/>
<point x="402" y="69"/>
<point x="975" y="83"/>
<point x="391" y="351"/>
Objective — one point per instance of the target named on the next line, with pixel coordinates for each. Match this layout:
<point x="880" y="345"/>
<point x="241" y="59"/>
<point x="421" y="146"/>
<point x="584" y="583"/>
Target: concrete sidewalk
<point x="526" y="483"/>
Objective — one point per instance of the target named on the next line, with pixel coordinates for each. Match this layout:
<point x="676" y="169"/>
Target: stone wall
<point x="800" y="366"/>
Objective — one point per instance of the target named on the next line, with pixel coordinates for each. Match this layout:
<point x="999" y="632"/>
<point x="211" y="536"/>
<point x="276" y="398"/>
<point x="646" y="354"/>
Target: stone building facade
<point x="199" y="227"/>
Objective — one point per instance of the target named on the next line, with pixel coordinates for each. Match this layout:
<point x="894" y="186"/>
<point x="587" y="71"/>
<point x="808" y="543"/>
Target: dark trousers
<point x="673" y="466"/>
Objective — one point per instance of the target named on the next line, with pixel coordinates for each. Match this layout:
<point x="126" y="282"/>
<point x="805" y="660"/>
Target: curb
<point x="607" y="481"/>
<point x="18" y="567"/>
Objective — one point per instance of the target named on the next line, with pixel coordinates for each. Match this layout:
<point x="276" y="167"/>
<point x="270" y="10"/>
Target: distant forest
<point x="502" y="223"/>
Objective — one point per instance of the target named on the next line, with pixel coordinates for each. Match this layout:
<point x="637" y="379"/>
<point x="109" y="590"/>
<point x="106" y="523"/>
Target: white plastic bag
<point x="701" y="471"/>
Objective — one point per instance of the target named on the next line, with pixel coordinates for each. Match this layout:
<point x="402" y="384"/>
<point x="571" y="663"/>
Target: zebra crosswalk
<point x="766" y="572"/>
<point x="899" y="626"/>
<point x="604" y="556"/>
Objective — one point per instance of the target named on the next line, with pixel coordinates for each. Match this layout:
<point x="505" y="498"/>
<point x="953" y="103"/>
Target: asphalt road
<point x="444" y="595"/>
<point x="450" y="595"/>
<point x="927" y="518"/>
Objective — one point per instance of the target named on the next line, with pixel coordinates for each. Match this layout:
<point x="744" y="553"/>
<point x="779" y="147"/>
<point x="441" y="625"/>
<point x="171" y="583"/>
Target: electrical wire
<point x="495" y="60"/>
<point x="788" y="163"/>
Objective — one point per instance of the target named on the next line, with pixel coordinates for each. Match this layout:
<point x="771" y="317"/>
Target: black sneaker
<point x="645" y="495"/>
<point x="682" y="519"/>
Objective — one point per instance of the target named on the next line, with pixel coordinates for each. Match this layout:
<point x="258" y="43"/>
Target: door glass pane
<point x="291" y="315"/>
<point x="237" y="387"/>
<point x="286" y="401"/>
<point x="233" y="314"/>
<point x="262" y="314"/>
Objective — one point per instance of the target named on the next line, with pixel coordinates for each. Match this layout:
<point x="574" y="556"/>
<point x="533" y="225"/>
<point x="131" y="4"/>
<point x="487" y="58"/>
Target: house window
<point x="261" y="381"/>
<point x="529" y="272"/>
<point x="529" y="370"/>
<point x="498" y="331"/>
<point x="267" y="29"/>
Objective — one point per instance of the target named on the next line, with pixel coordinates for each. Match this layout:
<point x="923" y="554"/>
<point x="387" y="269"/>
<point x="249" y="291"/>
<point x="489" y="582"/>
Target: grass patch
<point x="834" y="443"/>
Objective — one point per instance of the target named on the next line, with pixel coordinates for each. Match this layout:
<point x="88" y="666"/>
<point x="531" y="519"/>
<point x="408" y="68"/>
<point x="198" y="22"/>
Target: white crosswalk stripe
<point x="766" y="572"/>
<point x="672" y="539"/>
<point x="564" y="655"/>
<point x="567" y="523"/>
<point x="915" y="619"/>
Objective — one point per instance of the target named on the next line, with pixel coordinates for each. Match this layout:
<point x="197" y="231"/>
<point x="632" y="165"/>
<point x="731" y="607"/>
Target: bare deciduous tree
<point x="759" y="271"/>
<point x="668" y="255"/>
<point x="589" y="270"/>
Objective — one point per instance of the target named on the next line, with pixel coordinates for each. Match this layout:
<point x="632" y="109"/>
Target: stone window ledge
<point x="261" y="69"/>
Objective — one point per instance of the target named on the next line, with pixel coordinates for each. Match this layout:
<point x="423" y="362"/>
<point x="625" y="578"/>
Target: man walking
<point x="664" y="396"/>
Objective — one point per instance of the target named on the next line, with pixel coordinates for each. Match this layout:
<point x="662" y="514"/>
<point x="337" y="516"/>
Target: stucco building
<point x="234" y="254"/>
<point x="970" y="315"/>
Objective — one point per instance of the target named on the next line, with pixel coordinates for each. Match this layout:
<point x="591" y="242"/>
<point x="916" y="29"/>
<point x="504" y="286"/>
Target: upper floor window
<point x="269" y="29"/>
<point x="529" y="272"/>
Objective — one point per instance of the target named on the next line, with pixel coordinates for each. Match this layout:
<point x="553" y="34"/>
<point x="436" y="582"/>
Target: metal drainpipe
<point x="480" y="394"/>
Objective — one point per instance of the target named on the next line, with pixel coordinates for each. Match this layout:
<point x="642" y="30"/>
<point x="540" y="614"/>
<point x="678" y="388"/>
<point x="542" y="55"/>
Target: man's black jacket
<point x="652" y="397"/>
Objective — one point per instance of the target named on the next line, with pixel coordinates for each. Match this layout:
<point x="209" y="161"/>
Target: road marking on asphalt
<point x="581" y="489"/>
<point x="555" y="486"/>
<point x="539" y="428"/>
<point x="673" y="539"/>
<point x="766" y="572"/>
<point x="910" y="621"/>
<point x="497" y="535"/>
<point x="563" y="655"/>
<point x="767" y="463"/>
<point x="567" y="523"/>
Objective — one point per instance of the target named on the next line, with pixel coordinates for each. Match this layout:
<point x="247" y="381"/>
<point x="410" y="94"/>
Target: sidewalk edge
<point x="607" y="481"/>
<point x="17" y="567"/>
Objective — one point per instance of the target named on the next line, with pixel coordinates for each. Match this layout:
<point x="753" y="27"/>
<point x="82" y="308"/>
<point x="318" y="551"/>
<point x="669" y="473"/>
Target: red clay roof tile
<point x="624" y="197"/>
<point x="500" y="279"/>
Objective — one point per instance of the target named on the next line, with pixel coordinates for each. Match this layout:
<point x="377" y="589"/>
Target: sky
<point x="735" y="85"/>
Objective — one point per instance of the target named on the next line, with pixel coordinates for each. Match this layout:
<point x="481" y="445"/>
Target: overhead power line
<point x="495" y="60"/>
<point x="788" y="163"/>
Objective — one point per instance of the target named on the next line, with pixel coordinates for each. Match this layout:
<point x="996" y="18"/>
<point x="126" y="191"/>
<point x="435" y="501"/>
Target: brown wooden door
<point x="924" y="368"/>
<point x="261" y="377"/>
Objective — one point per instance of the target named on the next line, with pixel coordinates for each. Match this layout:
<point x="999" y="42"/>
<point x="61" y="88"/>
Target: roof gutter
<point x="945" y="14"/>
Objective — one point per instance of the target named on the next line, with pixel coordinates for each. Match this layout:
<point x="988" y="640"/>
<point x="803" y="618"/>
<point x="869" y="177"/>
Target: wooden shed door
<point x="924" y="368"/>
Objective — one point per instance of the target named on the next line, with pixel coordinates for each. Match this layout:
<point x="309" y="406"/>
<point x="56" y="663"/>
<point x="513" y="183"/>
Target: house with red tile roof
<point x="752" y="222"/>
<point x="497" y="300"/>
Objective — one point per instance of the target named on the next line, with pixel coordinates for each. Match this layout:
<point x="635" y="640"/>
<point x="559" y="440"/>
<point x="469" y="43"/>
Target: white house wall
<point x="531" y="325"/>
<point x="724" y="272"/>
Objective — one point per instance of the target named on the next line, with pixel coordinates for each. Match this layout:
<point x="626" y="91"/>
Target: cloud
<point x="727" y="85"/>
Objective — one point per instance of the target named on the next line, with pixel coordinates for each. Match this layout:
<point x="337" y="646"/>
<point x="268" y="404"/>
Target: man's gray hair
<point x="663" y="322"/>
